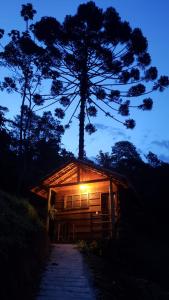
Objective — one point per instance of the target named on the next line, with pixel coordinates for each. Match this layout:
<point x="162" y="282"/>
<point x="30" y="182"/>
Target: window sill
<point x="75" y="208"/>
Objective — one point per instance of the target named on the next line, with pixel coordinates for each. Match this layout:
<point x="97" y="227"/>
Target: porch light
<point x="83" y="187"/>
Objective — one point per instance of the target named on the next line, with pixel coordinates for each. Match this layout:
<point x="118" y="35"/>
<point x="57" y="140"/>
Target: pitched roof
<point x="68" y="173"/>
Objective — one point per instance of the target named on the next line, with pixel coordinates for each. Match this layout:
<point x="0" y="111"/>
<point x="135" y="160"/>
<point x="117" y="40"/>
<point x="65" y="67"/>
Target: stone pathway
<point x="66" y="276"/>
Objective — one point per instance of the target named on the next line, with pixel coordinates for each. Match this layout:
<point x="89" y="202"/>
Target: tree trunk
<point x="21" y="118"/>
<point x="81" y="128"/>
<point x="83" y="95"/>
<point x="21" y="167"/>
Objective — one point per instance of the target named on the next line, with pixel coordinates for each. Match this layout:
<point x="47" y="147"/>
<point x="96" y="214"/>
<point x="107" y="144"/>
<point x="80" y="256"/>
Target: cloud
<point x="101" y="126"/>
<point x="113" y="131"/>
<point x="164" y="158"/>
<point x="145" y="136"/>
<point x="164" y="144"/>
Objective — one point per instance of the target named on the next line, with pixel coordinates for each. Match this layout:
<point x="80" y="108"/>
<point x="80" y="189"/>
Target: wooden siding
<point x="82" y="223"/>
<point x="70" y="215"/>
<point x="91" y="189"/>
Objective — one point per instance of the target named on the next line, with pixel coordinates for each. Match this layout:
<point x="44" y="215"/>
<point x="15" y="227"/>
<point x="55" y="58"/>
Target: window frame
<point x="89" y="199"/>
<point x="72" y="200"/>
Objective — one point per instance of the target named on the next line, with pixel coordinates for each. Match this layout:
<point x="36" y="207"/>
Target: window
<point x="76" y="201"/>
<point x="84" y="200"/>
<point x="69" y="202"/>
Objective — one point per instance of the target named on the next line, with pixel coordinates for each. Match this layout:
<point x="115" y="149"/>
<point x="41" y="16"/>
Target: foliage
<point x="93" y="59"/>
<point x="90" y="246"/>
<point x="148" y="179"/>
<point x="41" y="146"/>
<point x="104" y="65"/>
<point x="27" y="66"/>
<point x="42" y="128"/>
<point x="124" y="150"/>
<point x="98" y="247"/>
<point x="3" y="110"/>
<point x="42" y="151"/>
<point x="153" y="160"/>
<point x="132" y="272"/>
<point x="23" y="246"/>
<point x="104" y="159"/>
<point x="124" y="156"/>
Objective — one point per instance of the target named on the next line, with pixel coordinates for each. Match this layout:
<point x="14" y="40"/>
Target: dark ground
<point x="137" y="272"/>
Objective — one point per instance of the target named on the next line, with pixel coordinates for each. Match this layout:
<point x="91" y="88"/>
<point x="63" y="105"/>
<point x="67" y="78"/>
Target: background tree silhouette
<point x="105" y="65"/>
<point x="29" y="139"/>
<point x="27" y="12"/>
<point x="27" y="66"/>
<point x="124" y="157"/>
<point x="153" y="160"/>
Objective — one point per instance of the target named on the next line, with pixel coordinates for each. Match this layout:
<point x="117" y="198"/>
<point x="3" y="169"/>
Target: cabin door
<point x="105" y="213"/>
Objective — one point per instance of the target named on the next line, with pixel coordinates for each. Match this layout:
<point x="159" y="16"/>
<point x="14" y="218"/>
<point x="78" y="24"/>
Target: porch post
<point x="112" y="208"/>
<point x="58" y="231"/>
<point x="48" y="209"/>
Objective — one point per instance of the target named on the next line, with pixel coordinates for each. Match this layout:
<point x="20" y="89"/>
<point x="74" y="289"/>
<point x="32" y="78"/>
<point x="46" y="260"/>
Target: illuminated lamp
<point x="83" y="187"/>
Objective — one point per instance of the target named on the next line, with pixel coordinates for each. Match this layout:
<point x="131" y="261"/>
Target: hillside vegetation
<point x="23" y="246"/>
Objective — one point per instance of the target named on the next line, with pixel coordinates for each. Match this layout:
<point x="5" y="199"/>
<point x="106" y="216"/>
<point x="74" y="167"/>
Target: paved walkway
<point x="66" y="277"/>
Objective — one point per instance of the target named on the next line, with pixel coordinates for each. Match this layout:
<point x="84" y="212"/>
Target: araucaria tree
<point x="105" y="65"/>
<point x="94" y="60"/>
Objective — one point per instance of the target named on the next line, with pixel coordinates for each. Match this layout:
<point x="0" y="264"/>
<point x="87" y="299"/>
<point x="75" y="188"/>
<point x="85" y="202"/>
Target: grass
<point x="23" y="246"/>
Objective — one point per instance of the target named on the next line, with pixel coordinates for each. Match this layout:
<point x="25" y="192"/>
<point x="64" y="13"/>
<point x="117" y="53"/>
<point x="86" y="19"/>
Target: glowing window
<point x="76" y="201"/>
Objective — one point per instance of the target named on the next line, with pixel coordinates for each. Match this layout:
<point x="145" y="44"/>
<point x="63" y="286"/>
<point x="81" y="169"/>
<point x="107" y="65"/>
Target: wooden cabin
<point x="82" y="200"/>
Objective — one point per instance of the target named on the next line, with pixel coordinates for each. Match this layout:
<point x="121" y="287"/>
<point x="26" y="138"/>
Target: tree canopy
<point x="93" y="61"/>
<point x="104" y="65"/>
<point x="123" y="155"/>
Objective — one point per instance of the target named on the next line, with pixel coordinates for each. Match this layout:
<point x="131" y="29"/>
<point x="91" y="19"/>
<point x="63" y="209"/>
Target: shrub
<point x="23" y="246"/>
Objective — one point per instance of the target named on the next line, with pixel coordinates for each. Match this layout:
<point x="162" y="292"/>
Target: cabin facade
<point x="82" y="201"/>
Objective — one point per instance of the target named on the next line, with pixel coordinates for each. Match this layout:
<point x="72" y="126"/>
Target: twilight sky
<point x="152" y="128"/>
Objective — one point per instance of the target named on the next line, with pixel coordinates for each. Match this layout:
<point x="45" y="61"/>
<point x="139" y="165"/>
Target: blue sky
<point x="152" y="128"/>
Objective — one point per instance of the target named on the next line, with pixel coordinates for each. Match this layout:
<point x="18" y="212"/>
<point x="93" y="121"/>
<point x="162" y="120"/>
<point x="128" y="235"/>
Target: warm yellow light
<point x="83" y="187"/>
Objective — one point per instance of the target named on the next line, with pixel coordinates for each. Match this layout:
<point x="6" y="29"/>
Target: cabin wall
<point x="89" y="222"/>
<point x="92" y="188"/>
